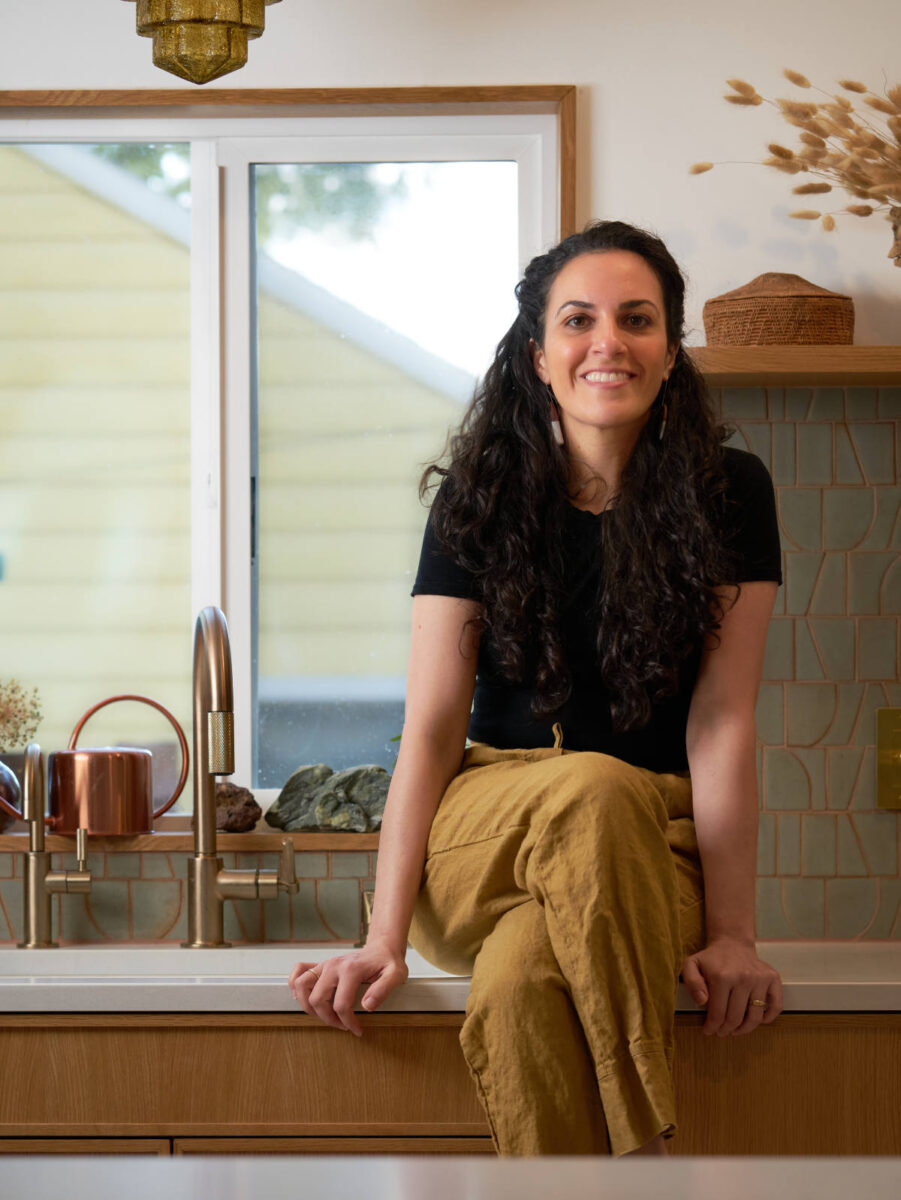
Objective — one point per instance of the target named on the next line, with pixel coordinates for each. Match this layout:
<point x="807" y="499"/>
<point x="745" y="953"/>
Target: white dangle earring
<point x="663" y="418"/>
<point x="556" y="430"/>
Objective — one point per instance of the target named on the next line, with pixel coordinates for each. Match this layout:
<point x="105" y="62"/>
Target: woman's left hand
<point x="725" y="976"/>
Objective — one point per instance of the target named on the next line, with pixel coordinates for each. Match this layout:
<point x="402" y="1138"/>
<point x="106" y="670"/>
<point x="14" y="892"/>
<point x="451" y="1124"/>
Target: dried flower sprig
<point x="20" y="715"/>
<point x="843" y="147"/>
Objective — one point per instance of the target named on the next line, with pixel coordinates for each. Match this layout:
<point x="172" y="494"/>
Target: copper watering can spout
<point x="106" y="790"/>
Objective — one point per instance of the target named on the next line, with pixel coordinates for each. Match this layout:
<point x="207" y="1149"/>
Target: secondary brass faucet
<point x="40" y="881"/>
<point x="209" y="883"/>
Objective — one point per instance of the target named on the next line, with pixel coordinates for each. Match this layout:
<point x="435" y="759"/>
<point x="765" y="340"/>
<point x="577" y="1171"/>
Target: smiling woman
<point x="567" y="630"/>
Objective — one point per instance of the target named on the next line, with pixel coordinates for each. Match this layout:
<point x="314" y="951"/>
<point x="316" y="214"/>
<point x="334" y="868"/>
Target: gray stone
<point x="366" y="786"/>
<point x="293" y="807"/>
<point x="335" y="810"/>
<point x="317" y="798"/>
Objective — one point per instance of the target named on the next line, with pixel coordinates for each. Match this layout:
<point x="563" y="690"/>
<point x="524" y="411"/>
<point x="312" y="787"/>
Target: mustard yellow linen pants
<point x="569" y="885"/>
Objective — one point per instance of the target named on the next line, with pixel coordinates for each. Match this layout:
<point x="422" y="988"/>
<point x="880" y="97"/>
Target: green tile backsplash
<point x="828" y="860"/>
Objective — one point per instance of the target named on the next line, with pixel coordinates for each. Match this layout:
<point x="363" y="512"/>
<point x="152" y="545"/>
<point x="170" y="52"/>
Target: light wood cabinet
<point x="158" y="1147"/>
<point x="335" y="1145"/>
<point x="810" y="1083"/>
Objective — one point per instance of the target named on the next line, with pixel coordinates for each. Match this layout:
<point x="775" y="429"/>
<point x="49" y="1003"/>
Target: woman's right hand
<point x="327" y="989"/>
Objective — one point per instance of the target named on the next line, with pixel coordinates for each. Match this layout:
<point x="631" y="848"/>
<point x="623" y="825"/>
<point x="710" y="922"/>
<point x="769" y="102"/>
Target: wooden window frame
<point x="559" y="99"/>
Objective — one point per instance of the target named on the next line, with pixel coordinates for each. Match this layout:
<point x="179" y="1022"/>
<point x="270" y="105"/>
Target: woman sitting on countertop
<point x="598" y="574"/>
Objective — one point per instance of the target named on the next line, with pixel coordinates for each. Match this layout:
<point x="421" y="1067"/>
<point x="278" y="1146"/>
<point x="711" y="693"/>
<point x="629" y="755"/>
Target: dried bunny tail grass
<point x="806" y="214"/>
<point x="844" y="103"/>
<point x="699" y="168"/>
<point x="894" y="124"/>
<point x="811" y="189"/>
<point x="780" y="151"/>
<point x="846" y="163"/>
<point x="782" y="164"/>
<point x="744" y="99"/>
<point x="743" y="89"/>
<point x="822" y="129"/>
<point x="828" y="222"/>
<point x="851" y="85"/>
<point x="894" y="94"/>
<point x="880" y="105"/>
<point x="860" y="210"/>
<point x="839" y="116"/>
<point x="813" y="156"/>
<point x="812" y="139"/>
<point x="796" y="78"/>
<point x="795" y="108"/>
<point x="890" y="190"/>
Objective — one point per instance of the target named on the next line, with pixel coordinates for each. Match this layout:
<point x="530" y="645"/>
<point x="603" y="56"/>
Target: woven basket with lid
<point x="776" y="309"/>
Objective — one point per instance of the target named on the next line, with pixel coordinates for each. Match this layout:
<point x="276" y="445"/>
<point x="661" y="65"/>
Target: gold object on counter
<point x="40" y="881"/>
<point x="200" y="40"/>
<point x="208" y="882"/>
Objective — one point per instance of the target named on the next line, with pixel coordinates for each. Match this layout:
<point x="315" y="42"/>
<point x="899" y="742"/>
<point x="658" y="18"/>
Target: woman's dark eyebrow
<point x="626" y="304"/>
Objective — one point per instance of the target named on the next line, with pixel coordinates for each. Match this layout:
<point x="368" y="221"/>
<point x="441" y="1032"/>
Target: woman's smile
<point x="607" y="379"/>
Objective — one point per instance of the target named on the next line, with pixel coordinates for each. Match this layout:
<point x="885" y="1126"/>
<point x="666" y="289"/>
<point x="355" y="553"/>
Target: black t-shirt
<point x="501" y="715"/>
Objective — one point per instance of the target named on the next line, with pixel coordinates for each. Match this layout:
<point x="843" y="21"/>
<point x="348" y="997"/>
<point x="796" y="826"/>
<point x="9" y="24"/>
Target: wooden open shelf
<point x="254" y="842"/>
<point x="798" y="366"/>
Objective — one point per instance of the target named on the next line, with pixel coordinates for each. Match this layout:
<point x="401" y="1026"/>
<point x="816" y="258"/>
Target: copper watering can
<point x="106" y="790"/>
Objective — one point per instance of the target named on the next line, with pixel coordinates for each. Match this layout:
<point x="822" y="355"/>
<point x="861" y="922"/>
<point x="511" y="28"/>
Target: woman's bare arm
<point x="440" y="687"/>
<point x="721" y="742"/>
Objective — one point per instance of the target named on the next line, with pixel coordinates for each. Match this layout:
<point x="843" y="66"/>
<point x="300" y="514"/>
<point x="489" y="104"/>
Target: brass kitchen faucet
<point x="40" y="882"/>
<point x="209" y="883"/>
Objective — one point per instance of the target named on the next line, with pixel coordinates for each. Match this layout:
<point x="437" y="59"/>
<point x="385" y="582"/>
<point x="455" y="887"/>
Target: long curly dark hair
<point x="501" y="509"/>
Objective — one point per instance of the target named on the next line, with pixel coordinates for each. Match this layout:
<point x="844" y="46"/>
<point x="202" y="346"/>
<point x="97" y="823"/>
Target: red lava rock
<point x="236" y="809"/>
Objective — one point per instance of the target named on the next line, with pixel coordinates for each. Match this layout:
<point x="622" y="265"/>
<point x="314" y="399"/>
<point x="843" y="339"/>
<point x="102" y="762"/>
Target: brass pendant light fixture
<point x="200" y="40"/>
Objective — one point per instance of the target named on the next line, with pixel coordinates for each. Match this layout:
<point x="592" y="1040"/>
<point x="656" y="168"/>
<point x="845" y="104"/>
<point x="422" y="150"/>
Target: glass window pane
<point x="94" y="427"/>
<point x="381" y="290"/>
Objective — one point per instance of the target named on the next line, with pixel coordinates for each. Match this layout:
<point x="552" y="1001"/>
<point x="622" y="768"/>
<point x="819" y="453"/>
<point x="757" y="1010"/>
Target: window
<point x="95" y="411"/>
<point x="340" y="283"/>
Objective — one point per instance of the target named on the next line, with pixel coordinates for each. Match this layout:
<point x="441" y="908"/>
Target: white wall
<point x="650" y="78"/>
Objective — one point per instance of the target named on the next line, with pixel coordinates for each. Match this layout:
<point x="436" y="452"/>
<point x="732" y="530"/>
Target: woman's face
<point x="605" y="351"/>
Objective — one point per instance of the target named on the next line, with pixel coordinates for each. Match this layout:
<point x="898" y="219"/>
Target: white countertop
<point x="817" y="977"/>
<point x="441" y="1177"/>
